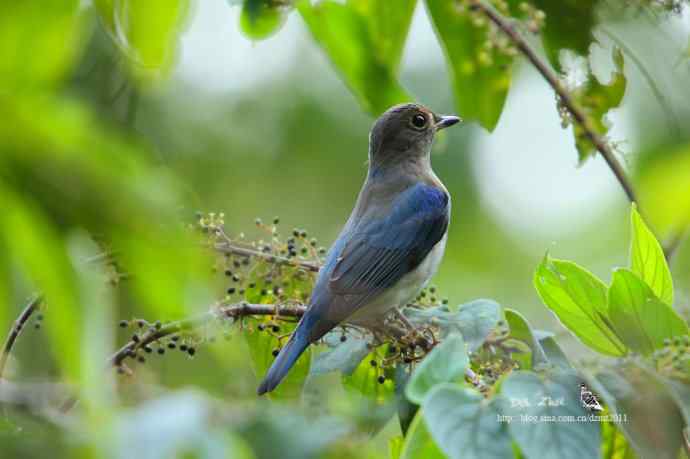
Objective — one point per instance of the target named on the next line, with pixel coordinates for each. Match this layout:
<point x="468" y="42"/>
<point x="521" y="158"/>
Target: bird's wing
<point x="381" y="252"/>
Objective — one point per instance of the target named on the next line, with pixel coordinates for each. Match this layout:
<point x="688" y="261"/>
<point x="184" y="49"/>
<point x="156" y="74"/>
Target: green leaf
<point x="578" y="299"/>
<point x="147" y="32"/>
<point x="282" y="432"/>
<point x="29" y="32"/>
<point x="364" y="40"/>
<point x="554" y="353"/>
<point x="395" y="445"/>
<point x="344" y="357"/>
<point x="664" y="185"/>
<point x="474" y="320"/>
<point x="613" y="443"/>
<point x="40" y="253"/>
<point x="480" y="75"/>
<point x="649" y="417"/>
<point x="364" y="380"/>
<point x="406" y="409"/>
<point x="568" y="25"/>
<point x="445" y="363"/>
<point x="465" y="425"/>
<point x="541" y="401"/>
<point x="178" y="425"/>
<point x="521" y="330"/>
<point x="371" y="402"/>
<point x="596" y="99"/>
<point x="648" y="261"/>
<point x="261" y="346"/>
<point x="388" y="24"/>
<point x="418" y="442"/>
<point x="641" y="319"/>
<point x="262" y="18"/>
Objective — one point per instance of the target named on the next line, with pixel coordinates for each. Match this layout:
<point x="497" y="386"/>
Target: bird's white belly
<point x="407" y="288"/>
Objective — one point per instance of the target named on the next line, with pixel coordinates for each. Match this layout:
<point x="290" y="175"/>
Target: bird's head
<point x="405" y="133"/>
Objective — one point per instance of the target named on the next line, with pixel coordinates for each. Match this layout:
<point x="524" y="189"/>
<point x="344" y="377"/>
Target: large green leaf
<point x="578" y="299"/>
<point x="640" y="318"/>
<point x="648" y="416"/>
<point x="596" y="99"/>
<point x="480" y="76"/>
<point x="648" y="261"/>
<point x="363" y="39"/>
<point x="465" y="425"/>
<point x="540" y="407"/>
<point x="445" y="363"/>
<point x="568" y="25"/>
<point x="419" y="444"/>
<point x="388" y="23"/>
<point x="29" y="38"/>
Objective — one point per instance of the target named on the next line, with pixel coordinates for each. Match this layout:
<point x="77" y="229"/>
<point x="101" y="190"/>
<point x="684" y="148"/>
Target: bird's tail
<point x="287" y="357"/>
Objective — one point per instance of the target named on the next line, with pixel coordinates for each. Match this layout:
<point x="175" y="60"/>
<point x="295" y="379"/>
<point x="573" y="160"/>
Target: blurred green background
<point x="128" y="141"/>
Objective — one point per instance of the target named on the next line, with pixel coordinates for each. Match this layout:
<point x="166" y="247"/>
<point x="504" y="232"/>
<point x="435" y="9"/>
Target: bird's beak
<point x="445" y="121"/>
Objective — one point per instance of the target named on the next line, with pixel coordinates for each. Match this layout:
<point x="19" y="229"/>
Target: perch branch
<point x="16" y="330"/>
<point x="552" y="79"/>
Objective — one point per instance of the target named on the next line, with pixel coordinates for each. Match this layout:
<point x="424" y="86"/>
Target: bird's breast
<point x="404" y="291"/>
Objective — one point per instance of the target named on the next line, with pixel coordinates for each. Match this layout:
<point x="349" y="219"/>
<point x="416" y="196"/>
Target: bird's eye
<point x="419" y="121"/>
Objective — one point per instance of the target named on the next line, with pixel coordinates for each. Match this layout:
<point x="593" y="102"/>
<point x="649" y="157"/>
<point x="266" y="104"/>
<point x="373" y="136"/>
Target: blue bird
<point x="393" y="241"/>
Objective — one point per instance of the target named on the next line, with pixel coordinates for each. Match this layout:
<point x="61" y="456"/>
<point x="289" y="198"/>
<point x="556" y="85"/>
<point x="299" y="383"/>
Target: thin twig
<point x="16" y="330"/>
<point x="575" y="110"/>
<point x="227" y="247"/>
<point x="233" y="311"/>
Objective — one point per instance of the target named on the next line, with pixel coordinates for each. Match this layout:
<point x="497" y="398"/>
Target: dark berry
<point x="381" y="379"/>
<point x="124" y="324"/>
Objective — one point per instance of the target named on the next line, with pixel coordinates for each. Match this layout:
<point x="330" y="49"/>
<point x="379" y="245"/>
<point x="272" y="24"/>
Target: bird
<point x="393" y="241"/>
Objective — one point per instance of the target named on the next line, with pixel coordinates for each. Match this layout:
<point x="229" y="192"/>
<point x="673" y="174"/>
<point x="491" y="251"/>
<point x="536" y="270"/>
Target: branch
<point x="233" y="311"/>
<point x="676" y="241"/>
<point x="16" y="330"/>
<point x="575" y="110"/>
<point x="227" y="247"/>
